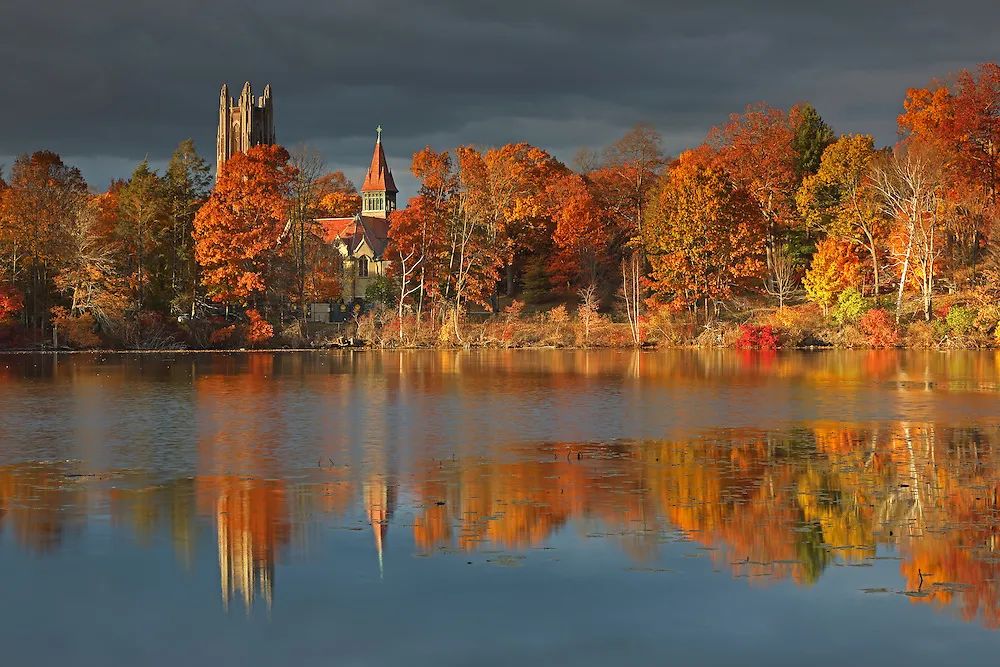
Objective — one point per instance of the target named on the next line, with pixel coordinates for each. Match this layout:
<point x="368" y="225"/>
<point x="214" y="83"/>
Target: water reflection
<point x="764" y="506"/>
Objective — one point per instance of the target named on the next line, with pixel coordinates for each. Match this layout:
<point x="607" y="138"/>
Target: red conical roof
<point x="379" y="177"/>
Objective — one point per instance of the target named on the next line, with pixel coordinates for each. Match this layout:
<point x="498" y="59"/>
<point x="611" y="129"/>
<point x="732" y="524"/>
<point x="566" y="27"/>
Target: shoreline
<point x="526" y="348"/>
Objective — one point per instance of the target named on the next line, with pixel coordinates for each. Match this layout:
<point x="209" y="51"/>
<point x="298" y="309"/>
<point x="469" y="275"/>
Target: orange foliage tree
<point x="238" y="230"/>
<point x="259" y="330"/>
<point x="581" y="236"/>
<point x="756" y="150"/>
<point x="506" y="190"/>
<point x="42" y="195"/>
<point x="961" y="122"/>
<point x="701" y="236"/>
<point x="336" y="196"/>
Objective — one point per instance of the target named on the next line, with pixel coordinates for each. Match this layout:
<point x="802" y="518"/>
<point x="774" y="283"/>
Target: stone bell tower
<point x="243" y="123"/>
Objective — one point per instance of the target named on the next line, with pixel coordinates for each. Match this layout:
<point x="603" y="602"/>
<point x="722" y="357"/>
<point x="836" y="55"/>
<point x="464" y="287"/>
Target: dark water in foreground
<point x="453" y="508"/>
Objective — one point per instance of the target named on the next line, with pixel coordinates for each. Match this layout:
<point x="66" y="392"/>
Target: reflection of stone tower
<point x="244" y="123"/>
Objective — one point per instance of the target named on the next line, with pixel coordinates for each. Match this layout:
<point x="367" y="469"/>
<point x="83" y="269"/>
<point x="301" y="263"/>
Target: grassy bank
<point x="959" y="321"/>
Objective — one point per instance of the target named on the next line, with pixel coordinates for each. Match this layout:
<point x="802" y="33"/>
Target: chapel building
<point x="361" y="239"/>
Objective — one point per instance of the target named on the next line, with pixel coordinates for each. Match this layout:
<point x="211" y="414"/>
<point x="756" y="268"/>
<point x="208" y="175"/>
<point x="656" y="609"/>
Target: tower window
<point x="362" y="267"/>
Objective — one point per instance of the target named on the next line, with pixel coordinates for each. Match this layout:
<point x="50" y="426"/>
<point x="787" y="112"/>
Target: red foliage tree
<point x="581" y="234"/>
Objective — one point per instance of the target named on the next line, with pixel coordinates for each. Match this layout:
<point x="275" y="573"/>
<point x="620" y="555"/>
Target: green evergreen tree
<point x="812" y="136"/>
<point x="537" y="282"/>
<point x="188" y="183"/>
<point x="142" y="215"/>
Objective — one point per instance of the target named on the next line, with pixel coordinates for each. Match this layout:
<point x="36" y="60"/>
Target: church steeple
<point x="378" y="194"/>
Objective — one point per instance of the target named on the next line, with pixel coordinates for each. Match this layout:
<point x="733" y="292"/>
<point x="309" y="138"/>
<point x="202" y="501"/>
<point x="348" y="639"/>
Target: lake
<point x="498" y="508"/>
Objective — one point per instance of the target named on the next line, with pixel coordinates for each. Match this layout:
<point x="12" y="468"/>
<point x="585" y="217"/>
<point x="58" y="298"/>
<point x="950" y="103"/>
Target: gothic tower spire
<point x="244" y="123"/>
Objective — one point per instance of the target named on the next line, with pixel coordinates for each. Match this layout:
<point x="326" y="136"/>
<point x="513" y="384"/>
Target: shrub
<point x="834" y="268"/>
<point x="78" y="331"/>
<point x="514" y="309"/>
<point x="796" y="323"/>
<point x="670" y="328"/>
<point x="558" y="315"/>
<point x="222" y="335"/>
<point x="850" y="306"/>
<point x="147" y="331"/>
<point x="757" y="338"/>
<point x="880" y="328"/>
<point x="922" y="335"/>
<point x="987" y="319"/>
<point x="381" y="290"/>
<point x="961" y="320"/>
<point x="259" y="331"/>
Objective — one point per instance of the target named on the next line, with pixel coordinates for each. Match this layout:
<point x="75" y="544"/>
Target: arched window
<point x="363" y="267"/>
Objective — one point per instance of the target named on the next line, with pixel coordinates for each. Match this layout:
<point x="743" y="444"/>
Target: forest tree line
<point x="774" y="222"/>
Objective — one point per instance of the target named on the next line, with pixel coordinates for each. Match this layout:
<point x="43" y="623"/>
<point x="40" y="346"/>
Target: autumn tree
<point x="302" y="231"/>
<point x="834" y="268"/>
<point x="476" y="219"/>
<point x="238" y="230"/>
<point x="757" y="149"/>
<point x="508" y="191"/>
<point x="43" y="193"/>
<point x="911" y="189"/>
<point x="580" y="234"/>
<point x="960" y="121"/>
<point x="842" y="200"/>
<point x="416" y="243"/>
<point x="702" y="237"/>
<point x="90" y="277"/>
<point x="336" y="196"/>
<point x="626" y="176"/>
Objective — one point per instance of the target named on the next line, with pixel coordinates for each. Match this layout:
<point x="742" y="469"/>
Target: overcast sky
<point x="108" y="83"/>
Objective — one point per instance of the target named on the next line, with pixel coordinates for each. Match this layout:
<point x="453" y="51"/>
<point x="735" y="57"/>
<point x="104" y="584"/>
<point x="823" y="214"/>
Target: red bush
<point x="880" y="328"/>
<point x="757" y="338"/>
<point x="11" y="303"/>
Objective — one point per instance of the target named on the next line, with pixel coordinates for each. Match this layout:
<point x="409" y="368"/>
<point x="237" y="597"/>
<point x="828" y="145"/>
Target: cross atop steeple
<point x="378" y="131"/>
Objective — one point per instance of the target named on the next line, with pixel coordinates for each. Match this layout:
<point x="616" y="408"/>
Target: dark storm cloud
<point x="108" y="83"/>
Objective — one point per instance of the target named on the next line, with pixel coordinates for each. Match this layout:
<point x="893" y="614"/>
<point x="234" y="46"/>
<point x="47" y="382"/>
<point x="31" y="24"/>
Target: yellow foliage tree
<point x="834" y="268"/>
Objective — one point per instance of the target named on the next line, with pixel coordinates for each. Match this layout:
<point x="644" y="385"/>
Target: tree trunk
<point x="903" y="275"/>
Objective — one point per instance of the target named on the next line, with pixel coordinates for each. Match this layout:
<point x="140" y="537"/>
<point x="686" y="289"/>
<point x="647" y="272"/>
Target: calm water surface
<point x="497" y="508"/>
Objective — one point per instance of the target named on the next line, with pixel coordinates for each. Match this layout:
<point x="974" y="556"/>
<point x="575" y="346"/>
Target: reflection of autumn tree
<point x="769" y="506"/>
<point x="766" y="506"/>
<point x="33" y="502"/>
<point x="146" y="507"/>
<point x="954" y="518"/>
